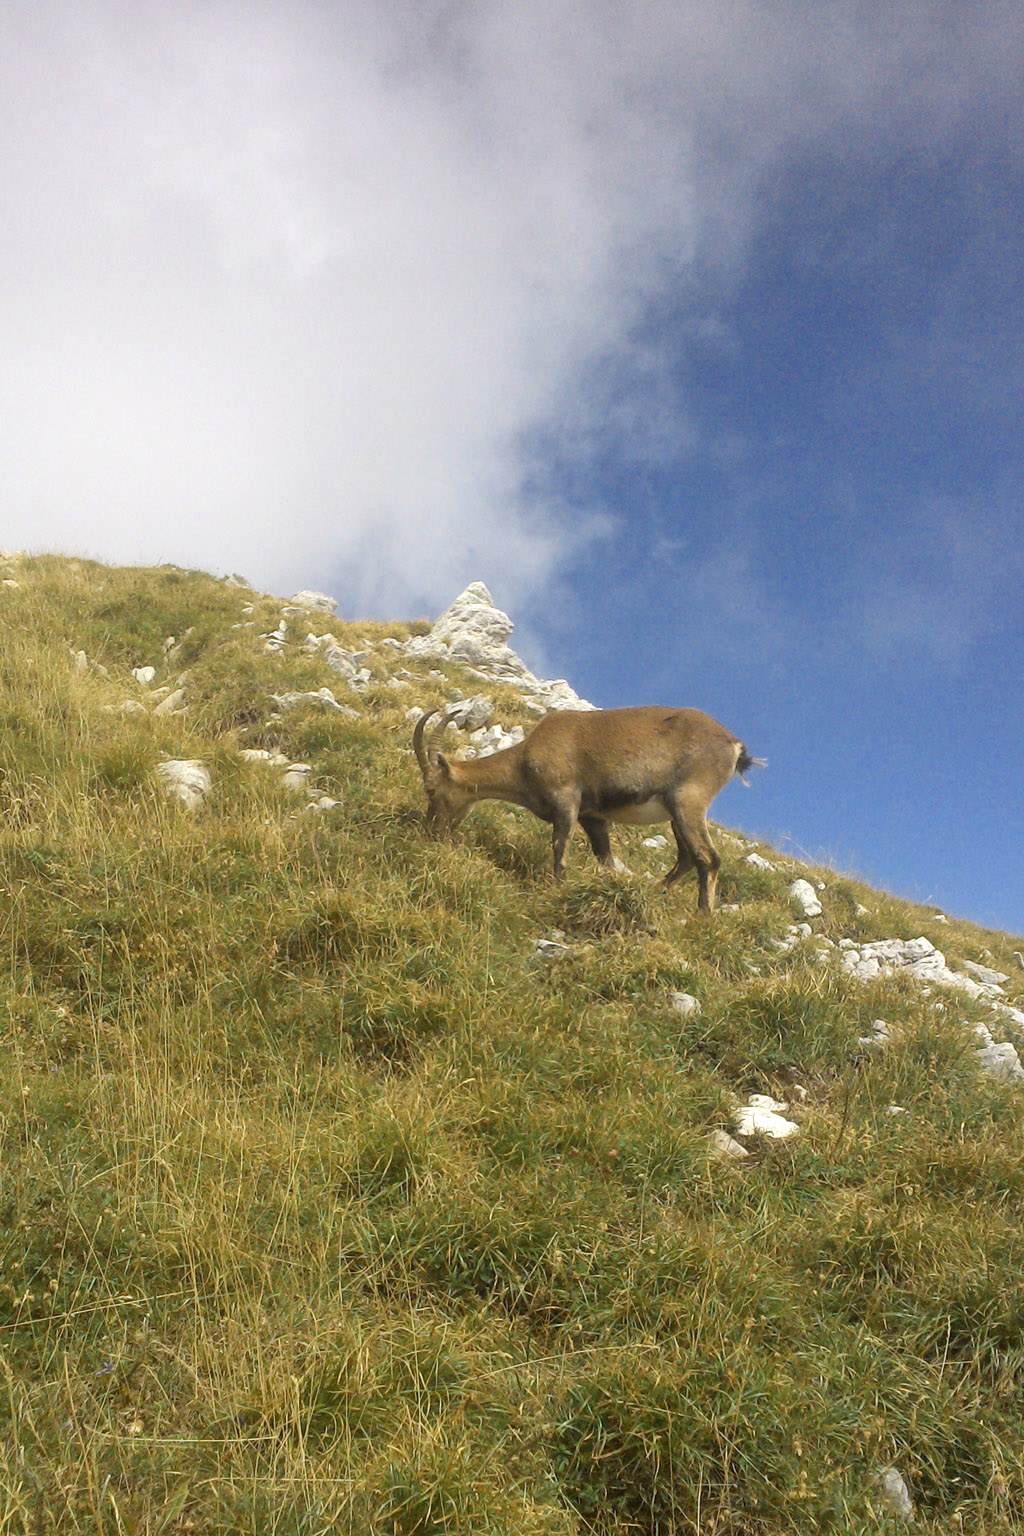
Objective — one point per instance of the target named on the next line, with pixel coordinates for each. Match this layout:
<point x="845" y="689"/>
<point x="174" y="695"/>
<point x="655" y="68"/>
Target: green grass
<point x="325" y="1207"/>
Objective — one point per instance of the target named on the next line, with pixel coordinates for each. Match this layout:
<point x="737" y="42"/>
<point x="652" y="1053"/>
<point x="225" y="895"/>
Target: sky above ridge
<point x="694" y="329"/>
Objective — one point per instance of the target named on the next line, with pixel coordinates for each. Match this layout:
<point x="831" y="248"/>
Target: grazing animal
<point x="636" y="766"/>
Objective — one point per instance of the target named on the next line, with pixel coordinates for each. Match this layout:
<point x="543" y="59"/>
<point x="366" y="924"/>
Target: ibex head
<point x="447" y="799"/>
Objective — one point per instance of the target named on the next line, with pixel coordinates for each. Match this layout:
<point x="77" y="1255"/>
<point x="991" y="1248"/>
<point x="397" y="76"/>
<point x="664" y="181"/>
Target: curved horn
<point x="417" y="741"/>
<point x="426" y="754"/>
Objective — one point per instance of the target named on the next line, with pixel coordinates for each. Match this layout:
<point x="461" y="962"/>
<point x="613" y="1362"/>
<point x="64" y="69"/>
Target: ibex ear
<point x="444" y="765"/>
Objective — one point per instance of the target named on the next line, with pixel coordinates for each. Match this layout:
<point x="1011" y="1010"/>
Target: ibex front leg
<point x="562" y="829"/>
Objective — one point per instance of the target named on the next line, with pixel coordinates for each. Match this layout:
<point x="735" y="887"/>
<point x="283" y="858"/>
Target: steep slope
<point x="353" y="1182"/>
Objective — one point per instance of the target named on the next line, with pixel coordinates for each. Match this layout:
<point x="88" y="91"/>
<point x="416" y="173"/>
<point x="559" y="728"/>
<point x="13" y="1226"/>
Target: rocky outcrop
<point x="473" y="632"/>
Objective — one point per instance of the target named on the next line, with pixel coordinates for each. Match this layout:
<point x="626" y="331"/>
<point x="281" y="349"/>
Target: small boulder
<point x="762" y="1117"/>
<point x="173" y="704"/>
<point x="895" y="1494"/>
<point x="314" y="602"/>
<point x="186" y="780"/>
<point x="805" y="896"/>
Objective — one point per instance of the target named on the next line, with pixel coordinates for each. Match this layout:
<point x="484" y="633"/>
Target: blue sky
<point x="693" y="329"/>
<point x="836" y="566"/>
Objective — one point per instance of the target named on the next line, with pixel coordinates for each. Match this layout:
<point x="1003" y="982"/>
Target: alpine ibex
<point x="636" y="766"/>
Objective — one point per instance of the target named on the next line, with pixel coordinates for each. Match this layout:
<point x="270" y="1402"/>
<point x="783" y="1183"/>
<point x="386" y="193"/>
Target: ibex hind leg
<point x="695" y="848"/>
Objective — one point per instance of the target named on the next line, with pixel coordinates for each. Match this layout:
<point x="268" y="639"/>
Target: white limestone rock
<point x="757" y="862"/>
<point x="173" y="704"/>
<point x="144" y="675"/>
<point x="473" y="631"/>
<point x="314" y="602"/>
<point x="726" y="1148"/>
<point x="494" y="738"/>
<point x="186" y="780"/>
<point x="985" y="974"/>
<point x="323" y="696"/>
<point x="997" y="1060"/>
<point x="919" y="957"/>
<point x="762" y="1116"/>
<point x="549" y="949"/>
<point x="805" y="896"/>
<point x="263" y="755"/>
<point x="470" y="629"/>
<point x="296" y="776"/>
<point x="881" y="1035"/>
<point x="684" y="1003"/>
<point x="895" y="1494"/>
<point x="351" y="665"/>
<point x="471" y="714"/>
<point x="793" y="936"/>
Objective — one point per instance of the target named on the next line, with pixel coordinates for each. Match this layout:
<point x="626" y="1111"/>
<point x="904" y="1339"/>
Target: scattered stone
<point x="548" y="949"/>
<point x="295" y="776"/>
<point x="895" y="1493"/>
<point x="917" y="956"/>
<point x="762" y="1117"/>
<point x="143" y="675"/>
<point x="803" y="893"/>
<point x="314" y="602"/>
<point x="262" y="755"/>
<point x="322" y="696"/>
<point x="276" y="640"/>
<point x="129" y="707"/>
<point x="657" y="841"/>
<point x="351" y="665"/>
<point x="684" y="1003"/>
<point x="757" y="862"/>
<point x="495" y="739"/>
<point x="997" y="1060"/>
<point x="794" y="934"/>
<point x="726" y="1147"/>
<point x="881" y="1035"/>
<point x="322" y="803"/>
<point x="186" y="780"/>
<point x="173" y="704"/>
<point x="471" y="714"/>
<point x="984" y="974"/>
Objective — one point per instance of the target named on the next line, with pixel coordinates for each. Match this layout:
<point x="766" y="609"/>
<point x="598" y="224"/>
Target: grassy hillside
<point x="326" y="1207"/>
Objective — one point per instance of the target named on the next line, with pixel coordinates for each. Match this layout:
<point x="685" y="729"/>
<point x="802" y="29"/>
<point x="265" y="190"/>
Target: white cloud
<point x="289" y="287"/>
